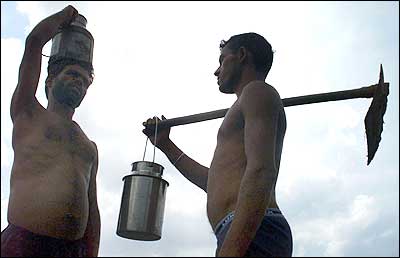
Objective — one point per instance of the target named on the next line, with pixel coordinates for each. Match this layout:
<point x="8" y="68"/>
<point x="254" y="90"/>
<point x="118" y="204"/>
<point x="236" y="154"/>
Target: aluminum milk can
<point x="143" y="201"/>
<point x="73" y="41"/>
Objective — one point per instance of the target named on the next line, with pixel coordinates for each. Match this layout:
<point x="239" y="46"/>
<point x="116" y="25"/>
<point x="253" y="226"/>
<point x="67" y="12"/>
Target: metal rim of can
<point x="138" y="165"/>
<point x="79" y="21"/>
<point x="156" y="177"/>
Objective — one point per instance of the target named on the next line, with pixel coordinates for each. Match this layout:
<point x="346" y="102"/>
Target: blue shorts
<point x="273" y="237"/>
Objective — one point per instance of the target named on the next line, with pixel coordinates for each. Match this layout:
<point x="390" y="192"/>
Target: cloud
<point x="336" y="231"/>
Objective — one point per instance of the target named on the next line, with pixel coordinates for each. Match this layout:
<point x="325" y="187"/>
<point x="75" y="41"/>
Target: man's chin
<point x="73" y="103"/>
<point x="225" y="90"/>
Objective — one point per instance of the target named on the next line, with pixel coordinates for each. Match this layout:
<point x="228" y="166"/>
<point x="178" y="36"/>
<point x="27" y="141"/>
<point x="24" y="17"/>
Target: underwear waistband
<point x="228" y="218"/>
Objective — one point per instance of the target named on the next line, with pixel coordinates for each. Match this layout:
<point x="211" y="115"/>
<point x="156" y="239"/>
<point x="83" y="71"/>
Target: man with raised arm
<point x="52" y="210"/>
<point x="240" y="182"/>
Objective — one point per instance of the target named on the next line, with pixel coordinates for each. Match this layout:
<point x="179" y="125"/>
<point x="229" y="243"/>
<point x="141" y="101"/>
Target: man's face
<point x="229" y="71"/>
<point x="70" y="85"/>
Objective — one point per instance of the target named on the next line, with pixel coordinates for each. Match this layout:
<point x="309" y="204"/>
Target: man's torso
<point x="229" y="164"/>
<point x="50" y="175"/>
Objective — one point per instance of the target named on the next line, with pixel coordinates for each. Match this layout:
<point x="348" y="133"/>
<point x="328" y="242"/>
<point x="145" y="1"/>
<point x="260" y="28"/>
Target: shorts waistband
<point x="228" y="218"/>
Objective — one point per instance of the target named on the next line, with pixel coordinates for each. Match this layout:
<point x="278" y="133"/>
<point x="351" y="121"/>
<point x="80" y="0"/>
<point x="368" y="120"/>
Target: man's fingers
<point x="148" y="122"/>
<point x="152" y="121"/>
<point x="71" y="10"/>
<point x="148" y="132"/>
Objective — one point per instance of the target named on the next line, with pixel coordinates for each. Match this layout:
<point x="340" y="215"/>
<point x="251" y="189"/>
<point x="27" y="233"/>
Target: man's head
<point x="68" y="81"/>
<point x="249" y="50"/>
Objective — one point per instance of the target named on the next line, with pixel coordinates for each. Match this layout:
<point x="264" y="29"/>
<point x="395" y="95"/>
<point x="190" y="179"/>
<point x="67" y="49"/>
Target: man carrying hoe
<point x="240" y="182"/>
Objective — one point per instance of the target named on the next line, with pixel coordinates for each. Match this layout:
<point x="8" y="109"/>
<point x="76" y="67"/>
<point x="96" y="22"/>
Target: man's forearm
<point x="92" y="234"/>
<point x="253" y="199"/>
<point x="189" y="168"/>
<point x="47" y="28"/>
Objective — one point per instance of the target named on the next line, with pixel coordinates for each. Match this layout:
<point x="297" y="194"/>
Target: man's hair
<point x="257" y="45"/>
<point x="57" y="64"/>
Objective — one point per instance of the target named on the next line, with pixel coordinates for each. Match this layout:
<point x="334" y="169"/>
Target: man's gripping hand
<point x="70" y="14"/>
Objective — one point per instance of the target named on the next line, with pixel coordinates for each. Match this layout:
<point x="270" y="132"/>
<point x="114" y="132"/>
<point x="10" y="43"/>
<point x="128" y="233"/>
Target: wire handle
<point x="155" y="143"/>
<point x="144" y="154"/>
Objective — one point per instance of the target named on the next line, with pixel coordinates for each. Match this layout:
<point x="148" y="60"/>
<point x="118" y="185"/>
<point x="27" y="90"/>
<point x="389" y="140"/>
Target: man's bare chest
<point x="69" y="138"/>
<point x="50" y="136"/>
<point x="232" y="126"/>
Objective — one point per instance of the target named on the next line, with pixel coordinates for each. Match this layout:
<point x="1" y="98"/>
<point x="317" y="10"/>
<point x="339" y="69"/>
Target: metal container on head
<point x="73" y="41"/>
<point x="143" y="200"/>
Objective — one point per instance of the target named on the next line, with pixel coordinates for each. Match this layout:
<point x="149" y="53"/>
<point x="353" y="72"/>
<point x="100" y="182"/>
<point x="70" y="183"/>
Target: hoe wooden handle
<point x="364" y="92"/>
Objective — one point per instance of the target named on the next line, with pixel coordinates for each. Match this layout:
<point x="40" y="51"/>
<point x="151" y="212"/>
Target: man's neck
<point x="61" y="109"/>
<point x="245" y="81"/>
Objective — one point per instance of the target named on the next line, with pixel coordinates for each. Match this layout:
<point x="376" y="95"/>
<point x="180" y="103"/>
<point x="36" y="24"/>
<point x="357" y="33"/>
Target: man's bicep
<point x="259" y="139"/>
<point x="260" y="112"/>
<point x="28" y="78"/>
<point x="93" y="176"/>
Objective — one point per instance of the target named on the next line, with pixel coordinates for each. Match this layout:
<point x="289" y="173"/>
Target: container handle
<point x="155" y="142"/>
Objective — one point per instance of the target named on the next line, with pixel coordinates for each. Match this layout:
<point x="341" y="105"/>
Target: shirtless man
<point x="52" y="209"/>
<point x="240" y="183"/>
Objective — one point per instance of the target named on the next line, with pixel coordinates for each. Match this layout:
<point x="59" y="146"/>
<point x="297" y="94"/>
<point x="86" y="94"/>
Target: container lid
<point x="79" y="21"/>
<point x="147" y="167"/>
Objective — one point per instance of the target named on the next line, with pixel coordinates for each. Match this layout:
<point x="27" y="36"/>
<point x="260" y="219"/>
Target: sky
<point x="158" y="58"/>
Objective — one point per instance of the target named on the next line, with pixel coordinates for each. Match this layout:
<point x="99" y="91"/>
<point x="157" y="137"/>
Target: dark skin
<point x="53" y="178"/>
<point x="245" y="166"/>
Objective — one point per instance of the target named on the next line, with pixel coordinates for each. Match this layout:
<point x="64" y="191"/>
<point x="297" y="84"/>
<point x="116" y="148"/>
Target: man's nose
<point x="216" y="73"/>
<point x="78" y="80"/>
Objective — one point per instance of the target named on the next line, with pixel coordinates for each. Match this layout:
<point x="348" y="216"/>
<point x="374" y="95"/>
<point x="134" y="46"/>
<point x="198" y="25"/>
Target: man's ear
<point x="243" y="55"/>
<point x="49" y="81"/>
<point x="48" y="84"/>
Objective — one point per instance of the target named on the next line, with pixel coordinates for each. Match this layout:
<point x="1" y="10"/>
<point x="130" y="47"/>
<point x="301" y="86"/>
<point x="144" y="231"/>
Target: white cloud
<point x="336" y="231"/>
<point x="6" y="154"/>
<point x="362" y="211"/>
<point x="4" y="205"/>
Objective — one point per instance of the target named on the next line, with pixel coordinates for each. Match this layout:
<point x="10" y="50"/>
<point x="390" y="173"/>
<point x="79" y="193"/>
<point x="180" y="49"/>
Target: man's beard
<point x="226" y="88"/>
<point x="64" y="94"/>
<point x="228" y="85"/>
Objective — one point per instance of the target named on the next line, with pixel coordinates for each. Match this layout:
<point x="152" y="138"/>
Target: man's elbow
<point x="33" y="41"/>
<point x="267" y="172"/>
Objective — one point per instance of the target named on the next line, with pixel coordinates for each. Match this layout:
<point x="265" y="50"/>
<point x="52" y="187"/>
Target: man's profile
<point x="240" y="181"/>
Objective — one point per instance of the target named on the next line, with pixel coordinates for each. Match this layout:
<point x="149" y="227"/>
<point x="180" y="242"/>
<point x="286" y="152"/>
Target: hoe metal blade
<point x="374" y="119"/>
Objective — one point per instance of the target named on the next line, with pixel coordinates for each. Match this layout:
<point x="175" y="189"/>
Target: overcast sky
<point x="158" y="58"/>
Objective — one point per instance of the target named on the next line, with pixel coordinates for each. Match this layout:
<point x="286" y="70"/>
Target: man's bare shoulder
<point x="28" y="112"/>
<point x="94" y="145"/>
<point x="260" y="91"/>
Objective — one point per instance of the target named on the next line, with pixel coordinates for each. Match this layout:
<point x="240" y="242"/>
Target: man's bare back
<point x="53" y="159"/>
<point x="229" y="163"/>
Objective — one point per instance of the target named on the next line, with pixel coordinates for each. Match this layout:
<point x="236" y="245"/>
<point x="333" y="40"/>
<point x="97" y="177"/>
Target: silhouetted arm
<point x="92" y="232"/>
<point x="29" y="70"/>
<point x="189" y="168"/>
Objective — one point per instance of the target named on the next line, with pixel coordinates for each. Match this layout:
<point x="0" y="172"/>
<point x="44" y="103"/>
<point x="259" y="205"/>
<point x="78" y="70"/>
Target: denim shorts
<point x="273" y="237"/>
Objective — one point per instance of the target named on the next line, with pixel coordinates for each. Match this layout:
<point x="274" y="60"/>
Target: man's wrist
<point x="164" y="145"/>
<point x="179" y="157"/>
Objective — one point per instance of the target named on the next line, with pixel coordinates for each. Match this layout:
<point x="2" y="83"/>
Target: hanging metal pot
<point x="143" y="201"/>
